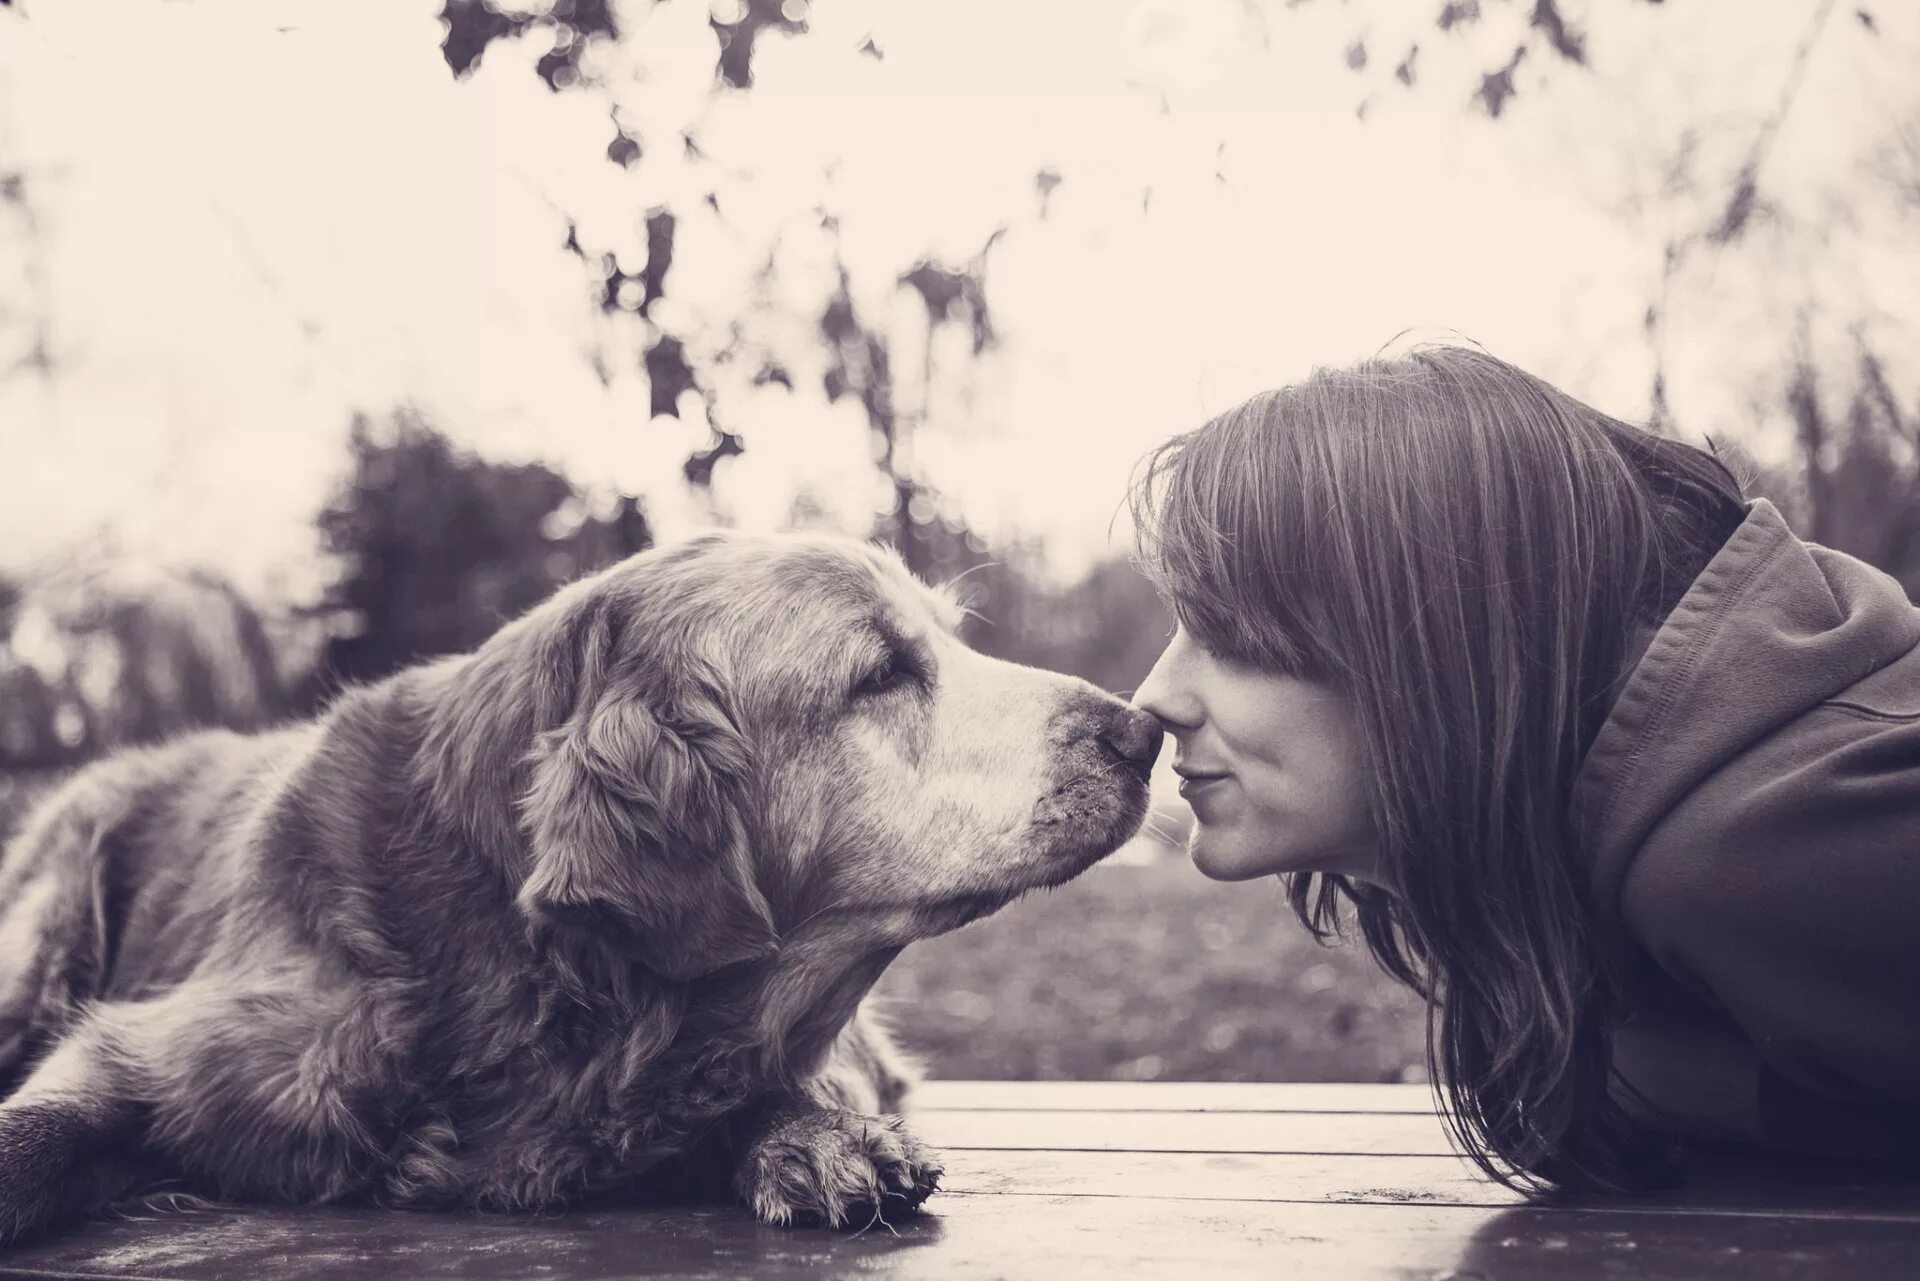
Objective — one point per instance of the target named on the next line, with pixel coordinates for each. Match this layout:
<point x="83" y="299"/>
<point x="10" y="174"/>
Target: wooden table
<point x="1102" y="1180"/>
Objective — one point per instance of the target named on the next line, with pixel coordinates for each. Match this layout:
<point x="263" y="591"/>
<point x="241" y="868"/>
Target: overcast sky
<point x="251" y="219"/>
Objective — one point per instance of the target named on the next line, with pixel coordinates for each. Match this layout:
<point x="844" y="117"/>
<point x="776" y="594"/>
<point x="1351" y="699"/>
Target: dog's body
<point x="589" y="911"/>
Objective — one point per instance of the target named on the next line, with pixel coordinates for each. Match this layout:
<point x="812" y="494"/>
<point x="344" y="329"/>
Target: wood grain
<point x="1062" y="1180"/>
<point x="1381" y="1134"/>
<point x="996" y="1236"/>
<point x="1168" y="1096"/>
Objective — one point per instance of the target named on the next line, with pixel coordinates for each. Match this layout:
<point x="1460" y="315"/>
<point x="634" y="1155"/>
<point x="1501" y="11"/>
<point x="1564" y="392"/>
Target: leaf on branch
<point x="738" y="36"/>
<point x="1044" y="182"/>
<point x="668" y="374"/>
<point x="1566" y="42"/>
<point x="473" y="25"/>
<point x="1357" y="56"/>
<point x="624" y="150"/>
<point x="1866" y="20"/>
<point x="1497" y="86"/>
<point x="1459" y="13"/>
<point x="699" y="469"/>
<point x="940" y="289"/>
<point x="653" y="277"/>
<point x="1740" y="207"/>
<point x="955" y="295"/>
<point x="838" y="323"/>
<point x="1404" y="73"/>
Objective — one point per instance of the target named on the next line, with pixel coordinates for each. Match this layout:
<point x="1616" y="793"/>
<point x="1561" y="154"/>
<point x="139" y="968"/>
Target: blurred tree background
<point x="437" y="547"/>
<point x="477" y="296"/>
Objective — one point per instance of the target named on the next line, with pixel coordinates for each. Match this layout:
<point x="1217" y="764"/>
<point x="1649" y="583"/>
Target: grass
<point x="1148" y="971"/>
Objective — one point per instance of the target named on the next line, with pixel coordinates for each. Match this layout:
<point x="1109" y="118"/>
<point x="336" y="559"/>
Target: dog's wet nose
<point x="1134" y="736"/>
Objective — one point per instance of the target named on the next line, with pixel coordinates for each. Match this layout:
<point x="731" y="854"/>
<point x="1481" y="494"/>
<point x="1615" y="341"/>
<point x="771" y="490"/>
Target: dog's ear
<point x="633" y="818"/>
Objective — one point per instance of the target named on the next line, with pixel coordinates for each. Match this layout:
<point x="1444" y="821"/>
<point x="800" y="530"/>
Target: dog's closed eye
<point x="889" y="675"/>
<point x="896" y="668"/>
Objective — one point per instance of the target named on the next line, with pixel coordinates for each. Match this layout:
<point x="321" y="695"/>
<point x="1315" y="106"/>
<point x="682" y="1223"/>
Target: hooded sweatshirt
<point x="1752" y="812"/>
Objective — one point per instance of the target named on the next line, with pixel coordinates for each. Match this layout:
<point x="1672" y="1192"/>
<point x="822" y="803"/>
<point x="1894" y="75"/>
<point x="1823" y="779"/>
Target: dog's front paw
<point x="835" y="1167"/>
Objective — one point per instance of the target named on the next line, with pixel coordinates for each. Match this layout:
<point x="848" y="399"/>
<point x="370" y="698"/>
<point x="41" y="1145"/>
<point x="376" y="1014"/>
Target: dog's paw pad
<point x="836" y="1167"/>
<point x="908" y="1168"/>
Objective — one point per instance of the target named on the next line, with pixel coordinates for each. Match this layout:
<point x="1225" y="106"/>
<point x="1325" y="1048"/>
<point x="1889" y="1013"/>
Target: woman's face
<point x="1270" y="764"/>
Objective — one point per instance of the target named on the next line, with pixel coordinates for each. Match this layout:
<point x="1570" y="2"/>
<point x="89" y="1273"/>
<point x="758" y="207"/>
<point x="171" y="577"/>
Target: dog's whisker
<point x="960" y="577"/>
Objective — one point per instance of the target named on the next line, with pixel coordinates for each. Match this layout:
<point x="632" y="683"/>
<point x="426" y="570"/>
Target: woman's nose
<point x="1162" y="696"/>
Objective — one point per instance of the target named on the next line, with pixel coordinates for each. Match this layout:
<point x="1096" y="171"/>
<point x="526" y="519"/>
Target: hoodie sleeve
<point x="1785" y="891"/>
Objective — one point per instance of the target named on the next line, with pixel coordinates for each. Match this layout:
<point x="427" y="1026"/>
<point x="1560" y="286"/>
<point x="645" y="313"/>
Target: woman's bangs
<point x="1214" y="540"/>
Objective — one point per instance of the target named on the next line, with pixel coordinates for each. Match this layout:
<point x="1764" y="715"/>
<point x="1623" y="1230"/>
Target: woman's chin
<point x="1218" y="857"/>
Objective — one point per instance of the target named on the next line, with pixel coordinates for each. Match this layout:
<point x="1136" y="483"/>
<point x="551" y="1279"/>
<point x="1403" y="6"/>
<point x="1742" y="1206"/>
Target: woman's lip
<point x="1193" y="783"/>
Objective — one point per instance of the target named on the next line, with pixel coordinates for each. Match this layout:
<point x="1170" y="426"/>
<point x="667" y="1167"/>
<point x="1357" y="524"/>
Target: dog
<point x="587" y="913"/>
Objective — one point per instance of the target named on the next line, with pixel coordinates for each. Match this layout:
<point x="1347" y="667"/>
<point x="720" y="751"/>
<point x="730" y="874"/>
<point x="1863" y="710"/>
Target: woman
<point x="1604" y="760"/>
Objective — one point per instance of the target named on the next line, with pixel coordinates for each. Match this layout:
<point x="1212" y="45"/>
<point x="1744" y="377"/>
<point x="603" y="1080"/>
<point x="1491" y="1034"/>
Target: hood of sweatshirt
<point x="1772" y="628"/>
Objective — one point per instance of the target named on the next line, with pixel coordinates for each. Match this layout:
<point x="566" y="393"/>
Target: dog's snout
<point x="1133" y="736"/>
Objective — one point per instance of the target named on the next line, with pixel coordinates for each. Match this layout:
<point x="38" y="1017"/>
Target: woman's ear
<point x="636" y="835"/>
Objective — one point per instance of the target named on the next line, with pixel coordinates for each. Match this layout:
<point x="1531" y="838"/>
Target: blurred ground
<point x="1149" y="971"/>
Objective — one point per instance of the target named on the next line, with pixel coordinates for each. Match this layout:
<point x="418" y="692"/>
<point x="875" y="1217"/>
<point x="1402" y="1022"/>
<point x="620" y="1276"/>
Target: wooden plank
<point x="1168" y="1096"/>
<point x="1756" y="1189"/>
<point x="991" y="1236"/>
<point x="1372" y="1134"/>
<point x="1217" y="1176"/>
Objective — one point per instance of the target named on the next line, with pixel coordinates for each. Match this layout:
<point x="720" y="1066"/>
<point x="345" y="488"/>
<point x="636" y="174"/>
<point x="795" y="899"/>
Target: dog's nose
<point x="1133" y="736"/>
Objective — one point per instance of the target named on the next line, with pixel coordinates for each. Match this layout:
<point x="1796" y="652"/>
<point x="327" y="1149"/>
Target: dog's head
<point x="736" y="741"/>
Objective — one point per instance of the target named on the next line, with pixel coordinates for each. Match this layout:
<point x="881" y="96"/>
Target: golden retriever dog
<point x="587" y="913"/>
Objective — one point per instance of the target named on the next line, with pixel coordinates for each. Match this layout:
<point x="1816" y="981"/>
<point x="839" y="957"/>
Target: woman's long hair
<point x="1465" y="552"/>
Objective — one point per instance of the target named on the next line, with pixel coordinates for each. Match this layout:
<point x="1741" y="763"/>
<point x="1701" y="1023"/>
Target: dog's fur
<point x="588" y="912"/>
